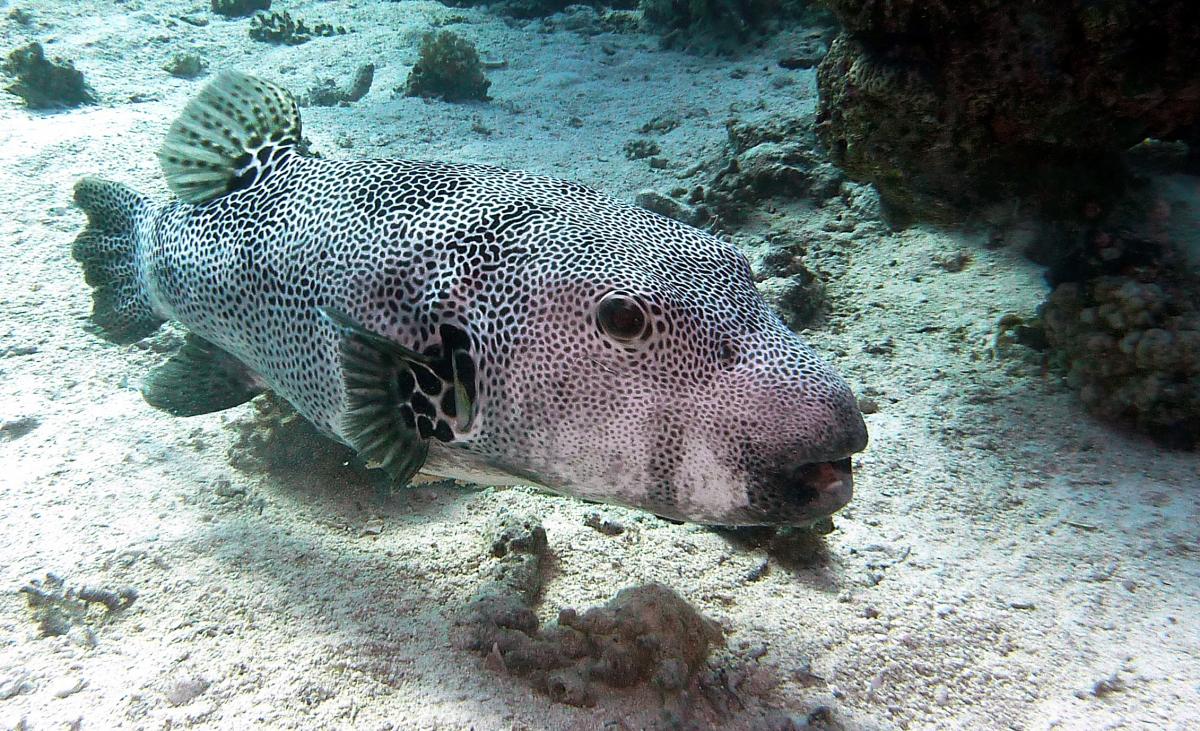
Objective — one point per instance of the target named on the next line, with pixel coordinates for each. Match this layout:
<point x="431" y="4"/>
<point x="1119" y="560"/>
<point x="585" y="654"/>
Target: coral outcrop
<point x="448" y="67"/>
<point x="1123" y="321"/>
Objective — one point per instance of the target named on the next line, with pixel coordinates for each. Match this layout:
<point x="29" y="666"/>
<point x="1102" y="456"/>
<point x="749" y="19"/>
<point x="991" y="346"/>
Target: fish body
<point x="467" y="321"/>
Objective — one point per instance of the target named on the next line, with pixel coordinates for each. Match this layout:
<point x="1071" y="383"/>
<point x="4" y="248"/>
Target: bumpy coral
<point x="448" y="67"/>
<point x="45" y="84"/>
<point x="1132" y="349"/>
<point x="946" y="106"/>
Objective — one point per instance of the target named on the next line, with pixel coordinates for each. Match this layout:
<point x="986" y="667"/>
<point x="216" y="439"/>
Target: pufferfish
<point x="467" y="322"/>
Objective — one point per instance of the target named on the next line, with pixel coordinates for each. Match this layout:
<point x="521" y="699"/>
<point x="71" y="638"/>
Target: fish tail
<point x="108" y="250"/>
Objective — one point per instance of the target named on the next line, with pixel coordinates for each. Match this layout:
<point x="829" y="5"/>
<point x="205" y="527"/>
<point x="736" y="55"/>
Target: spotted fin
<point x="200" y="379"/>
<point x="226" y="134"/>
<point x="399" y="399"/>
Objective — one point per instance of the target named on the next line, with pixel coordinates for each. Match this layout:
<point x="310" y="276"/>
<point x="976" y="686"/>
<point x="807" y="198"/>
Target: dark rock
<point x="16" y="428"/>
<point x="329" y="94"/>
<point x="239" y="8"/>
<point x="45" y="84"/>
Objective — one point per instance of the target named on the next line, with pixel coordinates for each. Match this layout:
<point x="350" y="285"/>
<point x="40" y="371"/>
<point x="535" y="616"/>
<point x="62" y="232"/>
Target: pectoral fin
<point x="399" y="399"/>
<point x="379" y="382"/>
<point x="200" y="379"/>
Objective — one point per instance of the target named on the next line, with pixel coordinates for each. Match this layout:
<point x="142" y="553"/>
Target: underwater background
<point x="986" y="215"/>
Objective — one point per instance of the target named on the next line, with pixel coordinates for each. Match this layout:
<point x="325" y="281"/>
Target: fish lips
<point x="822" y="488"/>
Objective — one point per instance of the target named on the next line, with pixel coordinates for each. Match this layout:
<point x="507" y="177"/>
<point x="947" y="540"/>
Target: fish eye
<point x="621" y="317"/>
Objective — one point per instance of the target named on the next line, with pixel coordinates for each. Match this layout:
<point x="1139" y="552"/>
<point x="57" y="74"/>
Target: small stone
<point x="1104" y="686"/>
<point x="944" y="610"/>
<point x="868" y="405"/>
<point x="185" y="66"/>
<point x="17" y="427"/>
<point x="604" y="525"/>
<point x="15" y="685"/>
<point x="226" y="489"/>
<point x="67" y="686"/>
<point x="186" y="691"/>
<point x="941" y="697"/>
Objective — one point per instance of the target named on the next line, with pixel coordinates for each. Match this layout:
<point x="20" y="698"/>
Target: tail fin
<point x="107" y="248"/>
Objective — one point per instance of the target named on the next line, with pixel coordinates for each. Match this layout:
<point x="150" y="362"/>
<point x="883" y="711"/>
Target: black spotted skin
<point x="707" y="417"/>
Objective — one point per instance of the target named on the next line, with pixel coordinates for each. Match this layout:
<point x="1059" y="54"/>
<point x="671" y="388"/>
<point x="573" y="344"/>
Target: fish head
<point x="645" y="369"/>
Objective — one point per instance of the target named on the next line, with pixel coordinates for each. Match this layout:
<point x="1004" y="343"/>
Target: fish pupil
<point x="621" y="317"/>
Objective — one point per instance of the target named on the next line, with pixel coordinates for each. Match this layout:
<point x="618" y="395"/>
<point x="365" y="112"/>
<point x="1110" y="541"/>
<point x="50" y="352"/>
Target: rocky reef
<point x="947" y="107"/>
<point x="239" y="8"/>
<point x="723" y="25"/>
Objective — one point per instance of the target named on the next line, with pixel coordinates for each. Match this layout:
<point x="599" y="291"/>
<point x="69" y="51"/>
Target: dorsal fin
<point x="222" y="134"/>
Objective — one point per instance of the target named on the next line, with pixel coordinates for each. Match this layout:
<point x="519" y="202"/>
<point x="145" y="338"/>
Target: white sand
<point x="1003" y="555"/>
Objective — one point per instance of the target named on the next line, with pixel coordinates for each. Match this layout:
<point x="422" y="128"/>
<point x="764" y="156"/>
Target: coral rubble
<point x="644" y="634"/>
<point x="283" y="29"/>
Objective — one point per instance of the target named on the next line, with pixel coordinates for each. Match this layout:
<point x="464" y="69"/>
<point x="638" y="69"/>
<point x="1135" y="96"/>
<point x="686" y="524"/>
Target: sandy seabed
<point x="1007" y="562"/>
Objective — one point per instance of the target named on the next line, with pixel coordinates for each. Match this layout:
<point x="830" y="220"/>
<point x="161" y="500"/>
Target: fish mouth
<point x="824" y="487"/>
